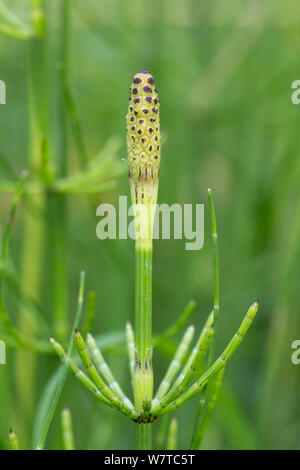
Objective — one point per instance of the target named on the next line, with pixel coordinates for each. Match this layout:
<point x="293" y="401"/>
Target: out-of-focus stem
<point x="67" y="429"/>
<point x="32" y="258"/>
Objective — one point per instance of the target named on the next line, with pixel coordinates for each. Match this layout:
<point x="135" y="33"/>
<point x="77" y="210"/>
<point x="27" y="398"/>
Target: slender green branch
<point x="78" y="374"/>
<point x="118" y="404"/>
<point x="174" y="367"/>
<point x="192" y="367"/>
<point x="105" y="370"/>
<point x="217" y="365"/>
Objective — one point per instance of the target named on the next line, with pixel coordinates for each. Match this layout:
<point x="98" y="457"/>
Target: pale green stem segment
<point x="218" y="364"/>
<point x="104" y="369"/>
<point x="67" y="429"/>
<point x="181" y="321"/>
<point x="98" y="381"/>
<point x="174" y="367"/>
<point x="78" y="374"/>
<point x="202" y="422"/>
<point x="13" y="441"/>
<point x="192" y="367"/>
<point x="172" y="437"/>
<point x="130" y="347"/>
<point x="143" y="373"/>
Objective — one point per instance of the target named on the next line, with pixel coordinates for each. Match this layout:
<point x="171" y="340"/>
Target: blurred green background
<point x="223" y="72"/>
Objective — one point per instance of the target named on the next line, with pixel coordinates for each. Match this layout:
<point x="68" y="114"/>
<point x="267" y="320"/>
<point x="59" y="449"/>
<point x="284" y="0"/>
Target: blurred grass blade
<point x="12" y="26"/>
<point x="172" y="437"/>
<point x="33" y="345"/>
<point x="64" y="372"/>
<point x="202" y="421"/>
<point x="176" y="327"/>
<point x="90" y="313"/>
<point x="73" y="117"/>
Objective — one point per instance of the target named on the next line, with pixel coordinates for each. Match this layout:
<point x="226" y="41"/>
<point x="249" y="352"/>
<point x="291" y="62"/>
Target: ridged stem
<point x="143" y="302"/>
<point x="143" y="375"/>
<point x="144" y="436"/>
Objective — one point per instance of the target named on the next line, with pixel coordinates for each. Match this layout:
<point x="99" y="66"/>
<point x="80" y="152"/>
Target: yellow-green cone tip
<point x="143" y="137"/>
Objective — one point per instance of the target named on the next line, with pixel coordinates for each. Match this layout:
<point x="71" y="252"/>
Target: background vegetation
<point x="224" y="72"/>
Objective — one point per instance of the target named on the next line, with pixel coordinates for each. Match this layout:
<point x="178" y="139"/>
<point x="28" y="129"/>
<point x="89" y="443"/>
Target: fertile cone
<point x="143" y="138"/>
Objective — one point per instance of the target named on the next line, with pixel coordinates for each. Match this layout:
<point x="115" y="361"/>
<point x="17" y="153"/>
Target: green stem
<point x="57" y="228"/>
<point x="145" y="436"/>
<point x="143" y="375"/>
<point x="33" y="229"/>
<point x="143" y="302"/>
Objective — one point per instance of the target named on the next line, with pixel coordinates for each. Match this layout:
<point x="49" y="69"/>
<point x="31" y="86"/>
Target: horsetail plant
<point x="183" y="379"/>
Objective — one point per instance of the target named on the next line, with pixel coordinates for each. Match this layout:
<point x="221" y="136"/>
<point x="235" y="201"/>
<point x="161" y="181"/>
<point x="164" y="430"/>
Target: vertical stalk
<point x="143" y="373"/>
<point x="145" y="436"/>
<point x="30" y="270"/>
<point x="143" y="301"/>
<point x="143" y="147"/>
<point x="210" y="394"/>
<point x="57" y="202"/>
